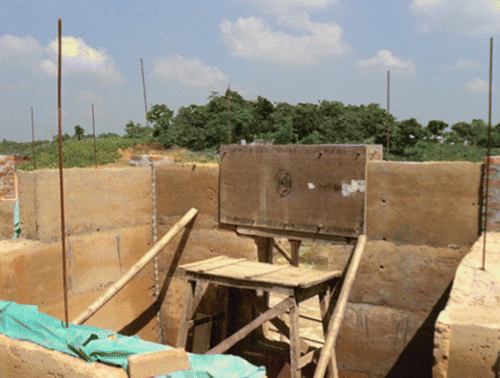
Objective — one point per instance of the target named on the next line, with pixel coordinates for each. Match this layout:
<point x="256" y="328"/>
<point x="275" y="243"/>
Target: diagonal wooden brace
<point x="328" y="350"/>
<point x="242" y="333"/>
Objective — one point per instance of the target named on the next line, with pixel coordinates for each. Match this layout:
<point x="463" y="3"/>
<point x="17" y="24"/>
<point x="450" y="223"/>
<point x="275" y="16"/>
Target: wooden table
<point x="297" y="284"/>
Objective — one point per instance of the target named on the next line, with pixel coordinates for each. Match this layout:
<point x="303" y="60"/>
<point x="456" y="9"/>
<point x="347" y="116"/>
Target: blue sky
<point x="287" y="51"/>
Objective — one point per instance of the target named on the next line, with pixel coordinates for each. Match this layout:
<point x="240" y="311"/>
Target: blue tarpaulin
<point x="25" y="322"/>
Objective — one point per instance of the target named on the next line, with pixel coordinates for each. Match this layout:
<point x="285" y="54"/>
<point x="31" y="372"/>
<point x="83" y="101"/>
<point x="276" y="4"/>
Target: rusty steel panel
<point x="319" y="190"/>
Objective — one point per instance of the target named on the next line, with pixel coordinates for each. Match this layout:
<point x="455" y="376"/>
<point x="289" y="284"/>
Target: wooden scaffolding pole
<point x="134" y="270"/>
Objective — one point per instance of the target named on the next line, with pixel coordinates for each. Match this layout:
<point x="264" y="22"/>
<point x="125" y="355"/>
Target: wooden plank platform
<point x="255" y="275"/>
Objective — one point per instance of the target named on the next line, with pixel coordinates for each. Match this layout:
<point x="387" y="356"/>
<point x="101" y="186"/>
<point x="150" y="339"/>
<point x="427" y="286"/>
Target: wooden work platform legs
<point x="333" y="301"/>
<point x="289" y="304"/>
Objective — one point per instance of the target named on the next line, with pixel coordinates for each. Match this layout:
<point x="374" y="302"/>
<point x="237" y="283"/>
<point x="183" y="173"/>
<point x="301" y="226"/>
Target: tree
<point x="305" y="120"/>
<point x="407" y="134"/>
<point x="188" y="127"/>
<point x="161" y="117"/>
<point x="434" y="130"/>
<point x="79" y="132"/>
<point x="474" y="134"/>
<point x="135" y="131"/>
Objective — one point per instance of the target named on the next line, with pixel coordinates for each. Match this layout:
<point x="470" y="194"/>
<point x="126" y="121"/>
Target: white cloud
<point x="78" y="57"/>
<point x="189" y="71"/>
<point x="471" y="17"/>
<point x="384" y="60"/>
<point x="468" y="64"/>
<point x="289" y="6"/>
<point x="477" y="85"/>
<point x="252" y="38"/>
<point x="464" y="64"/>
<point x="16" y="50"/>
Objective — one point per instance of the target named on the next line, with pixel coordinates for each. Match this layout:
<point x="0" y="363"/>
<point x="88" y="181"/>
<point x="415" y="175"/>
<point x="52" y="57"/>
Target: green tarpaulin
<point x="25" y="322"/>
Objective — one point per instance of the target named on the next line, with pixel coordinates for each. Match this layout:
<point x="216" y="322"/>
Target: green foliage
<point x="78" y="153"/>
<point x="161" y="117"/>
<point x="136" y="131"/>
<point x="79" y="132"/>
<point x="424" y="151"/>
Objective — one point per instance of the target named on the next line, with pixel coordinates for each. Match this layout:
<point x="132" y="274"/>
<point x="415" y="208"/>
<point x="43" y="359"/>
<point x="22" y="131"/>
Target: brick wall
<point x="7" y="178"/>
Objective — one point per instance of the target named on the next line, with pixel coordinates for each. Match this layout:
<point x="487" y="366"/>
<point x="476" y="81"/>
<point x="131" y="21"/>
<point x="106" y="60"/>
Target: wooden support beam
<point x="280" y="249"/>
<point x="245" y="331"/>
<point x="312" y="356"/>
<point x="328" y="350"/>
<point x="136" y="268"/>
<point x="295" y="246"/>
<point x="277" y="322"/>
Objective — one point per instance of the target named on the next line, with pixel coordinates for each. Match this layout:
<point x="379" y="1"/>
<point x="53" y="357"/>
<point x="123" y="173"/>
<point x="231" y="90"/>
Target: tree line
<point x="205" y="127"/>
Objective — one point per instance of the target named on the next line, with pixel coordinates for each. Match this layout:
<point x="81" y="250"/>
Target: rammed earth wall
<point x="421" y="220"/>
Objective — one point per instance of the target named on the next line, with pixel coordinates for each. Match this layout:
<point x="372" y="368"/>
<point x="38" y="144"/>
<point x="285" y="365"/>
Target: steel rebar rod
<point x="93" y="132"/>
<point x="33" y="139"/>
<point x="61" y="180"/>
<point x="388" y="116"/>
<point x="485" y="227"/>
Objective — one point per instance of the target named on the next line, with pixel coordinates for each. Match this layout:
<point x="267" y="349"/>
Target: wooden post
<point x="294" y="246"/>
<point x="294" y="340"/>
<point x="327" y="352"/>
<point x="264" y="249"/>
<point x="134" y="270"/>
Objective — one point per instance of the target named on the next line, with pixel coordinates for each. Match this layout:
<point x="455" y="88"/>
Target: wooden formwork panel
<point x="313" y="190"/>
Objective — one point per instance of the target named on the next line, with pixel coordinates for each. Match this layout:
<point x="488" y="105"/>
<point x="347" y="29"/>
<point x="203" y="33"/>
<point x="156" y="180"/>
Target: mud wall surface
<point x="8" y="196"/>
<point x="435" y="203"/>
<point x="24" y="359"/>
<point x="95" y="200"/>
<point x="467" y="330"/>
<point x="7" y="219"/>
<point x="426" y="212"/>
<point x="31" y="273"/>
<point x="108" y="213"/>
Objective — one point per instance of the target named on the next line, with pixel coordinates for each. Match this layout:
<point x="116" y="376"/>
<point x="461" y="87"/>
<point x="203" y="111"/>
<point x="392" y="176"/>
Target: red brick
<point x="493" y="226"/>
<point x="494" y="160"/>
<point x="492" y="183"/>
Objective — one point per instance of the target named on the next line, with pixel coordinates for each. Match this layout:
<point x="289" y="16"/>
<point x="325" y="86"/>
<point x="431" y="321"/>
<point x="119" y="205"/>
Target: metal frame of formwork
<point x="295" y="192"/>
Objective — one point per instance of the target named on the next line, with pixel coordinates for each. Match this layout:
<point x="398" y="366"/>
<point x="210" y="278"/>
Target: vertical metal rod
<point x="388" y="113"/>
<point x="93" y="132"/>
<point x="33" y="138"/>
<point x="160" y="335"/>
<point x="229" y="114"/>
<point x="485" y="226"/>
<point x="145" y="101"/>
<point x="61" y="186"/>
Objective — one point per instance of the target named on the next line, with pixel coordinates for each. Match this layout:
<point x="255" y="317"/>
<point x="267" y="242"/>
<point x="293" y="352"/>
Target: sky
<point x="437" y="52"/>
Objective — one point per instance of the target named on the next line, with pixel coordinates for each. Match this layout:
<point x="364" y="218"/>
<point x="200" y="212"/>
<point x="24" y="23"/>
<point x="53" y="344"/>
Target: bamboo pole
<point x="327" y="352"/>
<point x="134" y="270"/>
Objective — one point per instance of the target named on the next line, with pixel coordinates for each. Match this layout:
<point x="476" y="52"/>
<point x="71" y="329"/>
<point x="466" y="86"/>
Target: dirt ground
<point x="174" y="154"/>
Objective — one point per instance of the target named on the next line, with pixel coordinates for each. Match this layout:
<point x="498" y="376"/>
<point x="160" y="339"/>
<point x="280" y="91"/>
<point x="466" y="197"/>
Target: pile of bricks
<point x="7" y="178"/>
